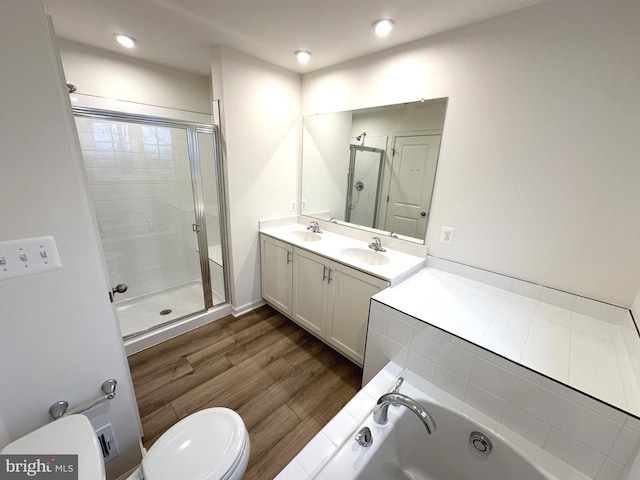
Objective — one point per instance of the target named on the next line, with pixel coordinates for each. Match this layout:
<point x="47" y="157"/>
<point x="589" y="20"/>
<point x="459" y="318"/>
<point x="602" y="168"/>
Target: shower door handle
<point x="120" y="288"/>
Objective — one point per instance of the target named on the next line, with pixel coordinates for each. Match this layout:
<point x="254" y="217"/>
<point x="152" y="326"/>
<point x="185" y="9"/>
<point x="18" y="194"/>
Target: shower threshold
<point x="146" y="313"/>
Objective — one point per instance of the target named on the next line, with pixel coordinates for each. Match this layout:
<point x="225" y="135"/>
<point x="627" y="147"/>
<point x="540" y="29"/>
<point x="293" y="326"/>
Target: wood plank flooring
<point x="285" y="384"/>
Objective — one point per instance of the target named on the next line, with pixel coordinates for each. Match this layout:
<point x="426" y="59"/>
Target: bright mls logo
<point x="49" y="467"/>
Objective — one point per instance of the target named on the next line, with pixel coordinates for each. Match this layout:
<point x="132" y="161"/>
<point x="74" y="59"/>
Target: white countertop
<point x="583" y="352"/>
<point x="400" y="265"/>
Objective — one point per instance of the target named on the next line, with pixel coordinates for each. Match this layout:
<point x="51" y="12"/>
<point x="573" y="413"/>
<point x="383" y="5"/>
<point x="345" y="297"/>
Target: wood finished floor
<point x="285" y="383"/>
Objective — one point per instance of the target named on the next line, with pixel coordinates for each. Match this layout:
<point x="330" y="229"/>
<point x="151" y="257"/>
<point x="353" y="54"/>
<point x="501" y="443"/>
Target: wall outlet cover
<point x="107" y="442"/>
<point x="446" y="235"/>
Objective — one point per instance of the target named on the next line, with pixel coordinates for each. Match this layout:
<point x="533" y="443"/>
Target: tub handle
<point x="396" y="389"/>
<point x="364" y="437"/>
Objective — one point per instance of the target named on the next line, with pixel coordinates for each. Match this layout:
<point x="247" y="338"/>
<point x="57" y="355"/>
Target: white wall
<point x="260" y="107"/>
<point x="538" y="168"/>
<point x="59" y="339"/>
<point x="106" y="74"/>
<point x="325" y="145"/>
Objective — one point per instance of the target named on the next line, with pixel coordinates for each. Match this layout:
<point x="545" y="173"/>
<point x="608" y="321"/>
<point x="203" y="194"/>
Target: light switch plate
<point x="27" y="256"/>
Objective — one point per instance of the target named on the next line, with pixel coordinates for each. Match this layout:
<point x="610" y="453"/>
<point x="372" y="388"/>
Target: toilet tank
<point x="72" y="435"/>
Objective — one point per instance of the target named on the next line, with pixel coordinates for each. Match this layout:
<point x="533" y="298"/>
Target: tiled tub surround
<point x="567" y="344"/>
<point x="597" y="439"/>
<point x="405" y="258"/>
<point x="324" y="457"/>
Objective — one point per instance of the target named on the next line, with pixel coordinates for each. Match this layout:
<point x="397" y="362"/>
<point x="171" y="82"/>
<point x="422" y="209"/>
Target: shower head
<point x="72" y="88"/>
<point x="361" y="136"/>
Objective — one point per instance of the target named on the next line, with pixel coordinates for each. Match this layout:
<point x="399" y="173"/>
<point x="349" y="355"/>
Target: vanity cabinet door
<point x="348" y="309"/>
<point x="310" y="273"/>
<point x="276" y="259"/>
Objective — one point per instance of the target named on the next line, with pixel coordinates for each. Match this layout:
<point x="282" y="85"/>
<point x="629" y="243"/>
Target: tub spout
<point x="381" y="409"/>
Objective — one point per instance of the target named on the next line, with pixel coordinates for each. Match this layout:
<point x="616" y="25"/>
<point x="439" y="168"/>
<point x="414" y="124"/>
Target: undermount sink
<point x="304" y="236"/>
<point x="365" y="256"/>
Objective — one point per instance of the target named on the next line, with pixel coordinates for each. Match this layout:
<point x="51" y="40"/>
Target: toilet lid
<point x="204" y="446"/>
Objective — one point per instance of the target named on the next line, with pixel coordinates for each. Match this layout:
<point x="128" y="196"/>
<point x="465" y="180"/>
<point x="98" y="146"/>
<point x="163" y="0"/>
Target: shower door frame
<point x="191" y="129"/>
<point x="352" y="166"/>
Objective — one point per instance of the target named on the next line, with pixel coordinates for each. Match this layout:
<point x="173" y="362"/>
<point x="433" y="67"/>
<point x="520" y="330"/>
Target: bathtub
<point x="403" y="450"/>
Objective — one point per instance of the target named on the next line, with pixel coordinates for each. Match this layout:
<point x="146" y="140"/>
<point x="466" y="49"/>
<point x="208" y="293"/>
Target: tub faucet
<point x="382" y="407"/>
<point x="314" y="227"/>
<point x="377" y="245"/>
<point x="396" y="389"/>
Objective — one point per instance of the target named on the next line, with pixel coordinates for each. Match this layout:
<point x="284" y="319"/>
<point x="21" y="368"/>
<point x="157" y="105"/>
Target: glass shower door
<point x="363" y="187"/>
<point x="140" y="177"/>
<point x="212" y="214"/>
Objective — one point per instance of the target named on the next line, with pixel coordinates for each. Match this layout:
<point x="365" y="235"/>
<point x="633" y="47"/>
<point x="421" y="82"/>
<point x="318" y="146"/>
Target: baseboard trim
<point x="247" y="307"/>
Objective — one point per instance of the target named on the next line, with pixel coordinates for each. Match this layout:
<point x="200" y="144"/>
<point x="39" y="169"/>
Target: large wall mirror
<point x="373" y="168"/>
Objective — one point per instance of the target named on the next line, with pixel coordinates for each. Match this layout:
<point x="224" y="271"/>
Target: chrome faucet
<point x="314" y="227"/>
<point x="382" y="407"/>
<point x="377" y="245"/>
<point x="396" y="387"/>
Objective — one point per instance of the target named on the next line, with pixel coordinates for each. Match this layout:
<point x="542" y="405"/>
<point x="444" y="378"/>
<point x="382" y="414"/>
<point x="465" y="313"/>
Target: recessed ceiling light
<point x="303" y="56"/>
<point x="383" y="27"/>
<point x="125" y="40"/>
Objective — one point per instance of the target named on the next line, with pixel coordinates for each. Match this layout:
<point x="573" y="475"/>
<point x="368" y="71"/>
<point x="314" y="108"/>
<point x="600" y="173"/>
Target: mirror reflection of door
<point x="412" y="177"/>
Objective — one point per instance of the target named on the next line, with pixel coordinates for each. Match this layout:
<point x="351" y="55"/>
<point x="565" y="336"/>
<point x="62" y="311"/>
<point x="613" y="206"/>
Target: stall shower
<point x="156" y="189"/>
<point x="364" y="184"/>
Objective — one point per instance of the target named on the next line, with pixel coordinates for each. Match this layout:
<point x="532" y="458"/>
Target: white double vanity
<point x="324" y="281"/>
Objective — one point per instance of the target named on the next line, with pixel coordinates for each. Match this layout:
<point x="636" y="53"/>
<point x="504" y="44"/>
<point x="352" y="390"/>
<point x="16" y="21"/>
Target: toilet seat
<point x="206" y="445"/>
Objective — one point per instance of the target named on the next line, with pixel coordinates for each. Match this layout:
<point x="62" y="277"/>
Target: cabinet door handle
<point x="324" y="273"/>
<point x="288" y="257"/>
<point x="330" y="272"/>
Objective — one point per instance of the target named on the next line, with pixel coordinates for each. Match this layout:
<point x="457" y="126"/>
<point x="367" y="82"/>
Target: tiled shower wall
<point x="140" y="182"/>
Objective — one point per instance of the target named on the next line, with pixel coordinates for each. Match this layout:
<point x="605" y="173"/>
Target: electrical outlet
<point x="303" y="204"/>
<point x="107" y="442"/>
<point x="446" y="235"/>
<point x="293" y="205"/>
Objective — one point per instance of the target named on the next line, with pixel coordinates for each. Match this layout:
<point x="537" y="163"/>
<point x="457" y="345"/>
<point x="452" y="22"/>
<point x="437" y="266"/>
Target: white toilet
<point x="212" y="444"/>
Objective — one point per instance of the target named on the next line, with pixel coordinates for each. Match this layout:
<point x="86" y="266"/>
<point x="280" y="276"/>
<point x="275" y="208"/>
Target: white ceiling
<point x="180" y="33"/>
